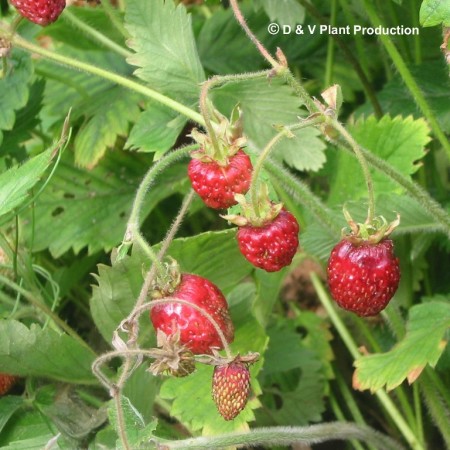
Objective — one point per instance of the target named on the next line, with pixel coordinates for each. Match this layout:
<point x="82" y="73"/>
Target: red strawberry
<point x="272" y="245"/>
<point x="217" y="184"/>
<point x="6" y="382"/>
<point x="196" y="332"/>
<point x="42" y="12"/>
<point x="363" y="277"/>
<point x="231" y="388"/>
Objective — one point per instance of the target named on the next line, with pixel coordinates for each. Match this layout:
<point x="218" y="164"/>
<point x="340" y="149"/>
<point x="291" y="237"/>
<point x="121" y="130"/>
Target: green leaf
<point x="161" y="36"/>
<point x="156" y="130"/>
<point x="284" y="12"/>
<point x="192" y="403"/>
<point x="136" y="430"/>
<point x="82" y="208"/>
<point x="8" y="406"/>
<point x="103" y="126"/>
<point x="14" y="89"/>
<point x="398" y="141"/>
<point x="208" y="254"/>
<point x="423" y="344"/>
<point x="395" y="99"/>
<point x="43" y="353"/>
<point x="267" y="103"/>
<point x="16" y="183"/>
<point x="434" y="12"/>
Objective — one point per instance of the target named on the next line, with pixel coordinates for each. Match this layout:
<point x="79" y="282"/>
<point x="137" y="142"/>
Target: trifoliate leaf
<point x="266" y="104"/>
<point x="422" y="345"/>
<point x="434" y="12"/>
<point x="161" y="36"/>
<point x="44" y="353"/>
<point x="14" y="89"/>
<point x="398" y="141"/>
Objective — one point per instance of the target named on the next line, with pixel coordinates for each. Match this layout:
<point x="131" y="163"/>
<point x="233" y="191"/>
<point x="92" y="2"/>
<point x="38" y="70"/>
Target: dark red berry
<point x="42" y="12"/>
<point x="271" y="246"/>
<point x="7" y="382"/>
<point x="217" y="184"/>
<point x="363" y="278"/>
<point x="197" y="333"/>
<point x="231" y="388"/>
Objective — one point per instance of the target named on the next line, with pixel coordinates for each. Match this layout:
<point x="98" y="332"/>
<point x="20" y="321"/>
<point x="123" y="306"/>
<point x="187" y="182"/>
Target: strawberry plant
<point x="224" y="224"/>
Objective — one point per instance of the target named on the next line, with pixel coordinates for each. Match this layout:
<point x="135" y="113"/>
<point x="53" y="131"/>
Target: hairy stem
<point x="284" y="436"/>
<point x="128" y="83"/>
<point x="285" y="132"/>
<point x="95" y="35"/>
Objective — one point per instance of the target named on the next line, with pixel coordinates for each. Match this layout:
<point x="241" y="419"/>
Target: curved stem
<point x="207" y="117"/>
<point x="105" y="74"/>
<point x="408" y="79"/>
<point x="95" y="35"/>
<point x="413" y="189"/>
<point x="362" y="162"/>
<point x="285" y="132"/>
<point x="284" y="436"/>
<point x="241" y="20"/>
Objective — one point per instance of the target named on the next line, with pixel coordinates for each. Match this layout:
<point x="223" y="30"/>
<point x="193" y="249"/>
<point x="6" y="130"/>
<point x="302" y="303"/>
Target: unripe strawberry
<point x="231" y="388"/>
<point x="363" y="277"/>
<point x="41" y="12"/>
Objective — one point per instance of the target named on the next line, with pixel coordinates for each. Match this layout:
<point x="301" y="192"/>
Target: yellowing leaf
<point x="423" y="344"/>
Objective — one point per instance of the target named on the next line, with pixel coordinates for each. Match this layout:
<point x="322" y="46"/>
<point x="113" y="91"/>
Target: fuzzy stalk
<point x="284" y="436"/>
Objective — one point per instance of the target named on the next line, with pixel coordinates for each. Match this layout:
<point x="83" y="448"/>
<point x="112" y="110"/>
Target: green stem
<point x="330" y="48"/>
<point x="148" y="180"/>
<point x="347" y="338"/>
<point x="241" y="20"/>
<point x="437" y="408"/>
<point x="95" y="35"/>
<point x="107" y="75"/>
<point x="121" y="426"/>
<point x="408" y="79"/>
<point x="413" y="189"/>
<point x="360" y="156"/>
<point x="285" y="132"/>
<point x="418" y="413"/>
<point x="416" y="38"/>
<point x="46" y="310"/>
<point x="285" y="436"/>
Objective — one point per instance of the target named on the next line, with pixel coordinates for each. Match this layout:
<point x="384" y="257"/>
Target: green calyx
<point x="369" y="232"/>
<point x="256" y="214"/>
<point x="228" y="139"/>
<point x="166" y="282"/>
